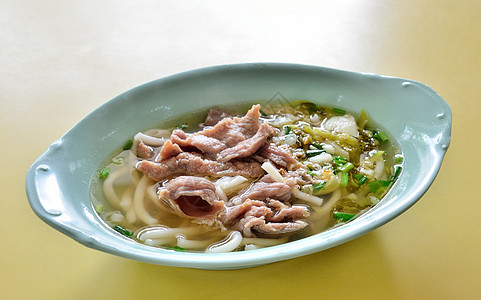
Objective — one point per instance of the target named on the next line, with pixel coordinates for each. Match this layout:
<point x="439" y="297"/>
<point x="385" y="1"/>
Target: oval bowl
<point x="57" y="183"/>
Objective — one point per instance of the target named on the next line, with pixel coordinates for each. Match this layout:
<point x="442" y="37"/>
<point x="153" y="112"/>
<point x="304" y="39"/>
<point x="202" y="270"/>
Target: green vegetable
<point x="318" y="186"/>
<point x="343" y="216"/>
<point x="104" y="172"/>
<point x="344" y="179"/>
<point x="318" y="146"/>
<point x="338" y="111"/>
<point x="361" y="179"/>
<point x="99" y="208"/>
<point x="287" y="129"/>
<point x="376" y="185"/>
<point x="380" y="136"/>
<point x="397" y="171"/>
<point x="398" y="159"/>
<point x="182" y="126"/>
<point x="347" y="167"/>
<point x="128" y="145"/>
<point x="176" y="248"/>
<point x="339" y="160"/>
<point x="311" y="153"/>
<point x="122" y="231"/>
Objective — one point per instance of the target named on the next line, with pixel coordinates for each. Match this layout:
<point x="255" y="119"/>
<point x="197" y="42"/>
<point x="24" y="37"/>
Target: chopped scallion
<point x="361" y="179"/>
<point x="287" y="129"/>
<point x="343" y="216"/>
<point x="99" y="208"/>
<point x="318" y="186"/>
<point x="347" y="167"/>
<point x="344" y="179"/>
<point x="339" y="160"/>
<point x="128" y="145"/>
<point x="318" y="146"/>
<point x="182" y="126"/>
<point x="380" y="136"/>
<point x="104" y="172"/>
<point x="122" y="230"/>
<point x="376" y="185"/>
<point x="397" y="171"/>
<point x="338" y="111"/>
<point x="176" y="248"/>
<point x="117" y="160"/>
<point x="311" y="153"/>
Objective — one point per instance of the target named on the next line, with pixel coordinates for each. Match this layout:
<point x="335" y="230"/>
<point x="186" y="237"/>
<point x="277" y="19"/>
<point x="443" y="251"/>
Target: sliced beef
<point x="230" y="138"/>
<point x="265" y="188"/>
<point x="192" y="197"/>
<point x="271" y="219"/>
<point x="276" y="155"/>
<point x="144" y="151"/>
<point x="187" y="163"/>
<point x="216" y="115"/>
<point x="168" y="150"/>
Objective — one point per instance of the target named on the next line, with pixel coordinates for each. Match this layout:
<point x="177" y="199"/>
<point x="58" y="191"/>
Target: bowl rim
<point x="43" y="170"/>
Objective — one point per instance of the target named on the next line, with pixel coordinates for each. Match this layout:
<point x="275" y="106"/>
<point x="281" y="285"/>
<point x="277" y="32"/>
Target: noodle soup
<point x="235" y="181"/>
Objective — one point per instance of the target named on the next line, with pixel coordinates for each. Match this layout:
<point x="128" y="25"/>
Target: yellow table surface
<point x="62" y="59"/>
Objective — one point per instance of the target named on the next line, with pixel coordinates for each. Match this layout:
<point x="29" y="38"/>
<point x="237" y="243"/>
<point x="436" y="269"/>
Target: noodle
<point x="314" y="164"/>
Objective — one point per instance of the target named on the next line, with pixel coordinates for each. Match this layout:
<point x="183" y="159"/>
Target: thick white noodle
<point x="149" y="140"/>
<point x="126" y="205"/>
<point x="271" y="170"/>
<point x="306" y="197"/>
<point x="232" y="242"/>
<point x="164" y="232"/>
<point x="158" y="242"/>
<point x="320" y="216"/>
<point x="193" y="244"/>
<point x="139" y="207"/>
<point x="263" y="242"/>
<point x="108" y="186"/>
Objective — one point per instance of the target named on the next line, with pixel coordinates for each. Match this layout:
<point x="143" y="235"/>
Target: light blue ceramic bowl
<point x="416" y="116"/>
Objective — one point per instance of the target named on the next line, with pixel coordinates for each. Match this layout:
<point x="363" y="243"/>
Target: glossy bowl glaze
<point x="57" y="183"/>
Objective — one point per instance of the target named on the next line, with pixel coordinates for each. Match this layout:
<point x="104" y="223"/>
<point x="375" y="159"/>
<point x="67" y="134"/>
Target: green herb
<point x="118" y="160"/>
<point x="287" y="129"/>
<point x="344" y="179"/>
<point x="339" y="160"/>
<point x="176" y="248"/>
<point x="104" y="172"/>
<point x="318" y="186"/>
<point x="338" y="111"/>
<point x="346" y="167"/>
<point x="128" y="145"/>
<point x="312" y="174"/>
<point x="361" y="179"/>
<point x="376" y="185"/>
<point x="380" y="136"/>
<point x="311" y="153"/>
<point x="396" y="174"/>
<point x="122" y="231"/>
<point x="398" y="159"/>
<point x="343" y="216"/>
<point x="318" y="146"/>
<point x="182" y="126"/>
<point x="99" y="208"/>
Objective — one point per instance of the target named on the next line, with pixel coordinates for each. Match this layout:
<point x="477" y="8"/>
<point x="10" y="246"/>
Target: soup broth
<point x="234" y="182"/>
